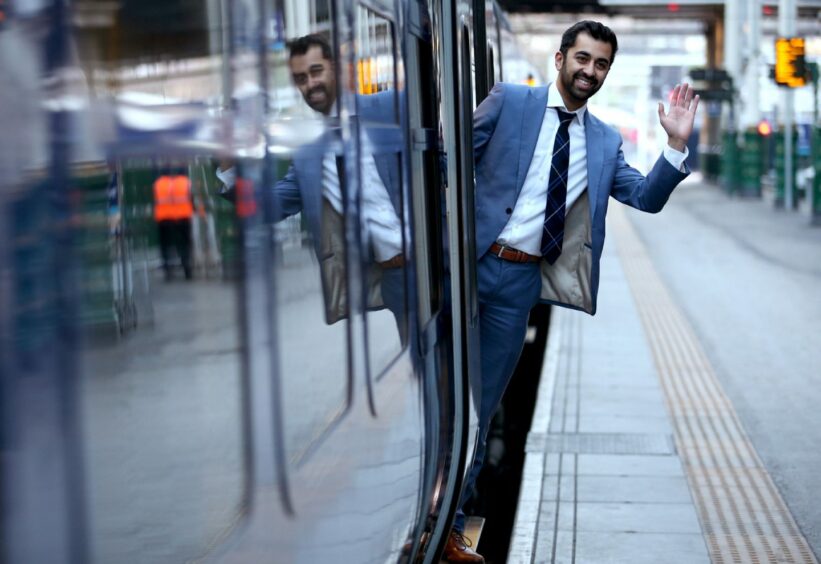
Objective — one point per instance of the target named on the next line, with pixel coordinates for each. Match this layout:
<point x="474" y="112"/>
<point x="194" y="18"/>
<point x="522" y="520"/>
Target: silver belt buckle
<point x="501" y="250"/>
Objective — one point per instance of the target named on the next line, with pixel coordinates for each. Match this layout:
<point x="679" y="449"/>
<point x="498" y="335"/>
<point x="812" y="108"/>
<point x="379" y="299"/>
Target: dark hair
<point x="596" y="30"/>
<point x="300" y="46"/>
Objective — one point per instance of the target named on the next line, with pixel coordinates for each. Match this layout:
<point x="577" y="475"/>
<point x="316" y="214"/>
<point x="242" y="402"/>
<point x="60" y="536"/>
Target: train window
<point x="320" y="15"/>
<point x="308" y="212"/>
<point x="310" y="285"/>
<point x="157" y="253"/>
<point x="376" y="67"/>
<point x="161" y="357"/>
<point x="380" y="191"/>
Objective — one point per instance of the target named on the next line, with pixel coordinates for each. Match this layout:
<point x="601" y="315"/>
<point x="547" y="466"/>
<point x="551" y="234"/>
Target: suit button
<point x="508" y="211"/>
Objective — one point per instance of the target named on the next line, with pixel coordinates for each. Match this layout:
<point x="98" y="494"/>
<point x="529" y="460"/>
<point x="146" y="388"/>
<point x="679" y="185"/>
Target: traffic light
<point x="790" y="68"/>
<point x="764" y="128"/>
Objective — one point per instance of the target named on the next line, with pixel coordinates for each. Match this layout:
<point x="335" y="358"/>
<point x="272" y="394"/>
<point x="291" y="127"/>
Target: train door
<point x="346" y="414"/>
<point x="452" y="23"/>
<point x="442" y="386"/>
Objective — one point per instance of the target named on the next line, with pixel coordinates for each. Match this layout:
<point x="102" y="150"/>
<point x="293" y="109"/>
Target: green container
<point x="779" y="167"/>
<point x="710" y="165"/>
<point x="751" y="163"/>
<point x="138" y="201"/>
<point x="730" y="164"/>
<point x="93" y="242"/>
<point x="816" y="183"/>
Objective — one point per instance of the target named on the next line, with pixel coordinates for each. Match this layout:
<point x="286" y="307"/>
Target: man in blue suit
<point x="545" y="170"/>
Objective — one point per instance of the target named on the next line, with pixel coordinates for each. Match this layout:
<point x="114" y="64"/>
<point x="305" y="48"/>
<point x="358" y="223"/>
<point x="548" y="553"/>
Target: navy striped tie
<point x="553" y="231"/>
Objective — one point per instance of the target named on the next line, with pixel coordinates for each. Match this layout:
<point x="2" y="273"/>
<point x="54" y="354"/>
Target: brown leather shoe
<point x="458" y="550"/>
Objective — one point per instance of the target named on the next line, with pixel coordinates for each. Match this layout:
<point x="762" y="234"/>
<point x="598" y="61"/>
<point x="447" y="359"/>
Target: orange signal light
<point x="764" y="128"/>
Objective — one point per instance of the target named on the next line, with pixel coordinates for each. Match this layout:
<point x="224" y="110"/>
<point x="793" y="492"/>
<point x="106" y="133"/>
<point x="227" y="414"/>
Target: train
<point x="287" y="378"/>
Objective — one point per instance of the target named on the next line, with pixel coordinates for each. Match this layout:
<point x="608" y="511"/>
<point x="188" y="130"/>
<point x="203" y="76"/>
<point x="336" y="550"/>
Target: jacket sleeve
<point x="286" y="199"/>
<point x="647" y="193"/>
<point x="485" y="118"/>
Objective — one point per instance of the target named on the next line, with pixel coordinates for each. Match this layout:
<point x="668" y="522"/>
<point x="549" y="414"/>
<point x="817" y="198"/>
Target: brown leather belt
<point x="396" y="262"/>
<point x="513" y="255"/>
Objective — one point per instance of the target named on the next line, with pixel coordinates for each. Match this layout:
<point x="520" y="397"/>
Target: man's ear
<point x="559" y="58"/>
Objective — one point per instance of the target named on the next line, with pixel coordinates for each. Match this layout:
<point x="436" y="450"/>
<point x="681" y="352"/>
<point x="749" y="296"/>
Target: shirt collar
<point x="554" y="100"/>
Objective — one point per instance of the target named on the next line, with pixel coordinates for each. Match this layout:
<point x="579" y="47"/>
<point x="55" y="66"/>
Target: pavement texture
<point x="748" y="278"/>
<point x="612" y="487"/>
<point x="603" y="481"/>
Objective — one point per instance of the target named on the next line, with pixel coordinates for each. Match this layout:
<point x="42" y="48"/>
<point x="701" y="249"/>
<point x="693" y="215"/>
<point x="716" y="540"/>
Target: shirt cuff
<point x="676" y="158"/>
<point x="228" y="177"/>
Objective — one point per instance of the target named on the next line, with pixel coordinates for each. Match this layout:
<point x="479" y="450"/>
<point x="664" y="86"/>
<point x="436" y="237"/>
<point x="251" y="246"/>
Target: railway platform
<point x="650" y="442"/>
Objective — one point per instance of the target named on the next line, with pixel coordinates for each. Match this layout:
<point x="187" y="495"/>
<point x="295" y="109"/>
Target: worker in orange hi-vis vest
<point x="173" y="210"/>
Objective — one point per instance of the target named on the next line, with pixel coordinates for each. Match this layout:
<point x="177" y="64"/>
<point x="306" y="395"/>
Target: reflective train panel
<point x="238" y="317"/>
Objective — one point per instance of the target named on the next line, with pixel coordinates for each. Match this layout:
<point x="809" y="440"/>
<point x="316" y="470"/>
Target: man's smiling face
<point x="314" y="75"/>
<point x="583" y="70"/>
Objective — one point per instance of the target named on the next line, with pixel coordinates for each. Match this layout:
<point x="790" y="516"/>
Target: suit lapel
<point x="595" y="159"/>
<point x="532" y="116"/>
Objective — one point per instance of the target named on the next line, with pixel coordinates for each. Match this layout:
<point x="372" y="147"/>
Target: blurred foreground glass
<point x="158" y="266"/>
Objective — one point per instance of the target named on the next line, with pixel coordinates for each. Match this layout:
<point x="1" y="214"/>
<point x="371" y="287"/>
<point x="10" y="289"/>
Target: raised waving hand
<point x="679" y="118"/>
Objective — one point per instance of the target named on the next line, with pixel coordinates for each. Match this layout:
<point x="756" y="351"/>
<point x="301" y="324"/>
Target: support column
<point x="750" y="91"/>
<point x="751" y="160"/>
<point x="710" y="141"/>
<point x="732" y="51"/>
<point x="786" y="28"/>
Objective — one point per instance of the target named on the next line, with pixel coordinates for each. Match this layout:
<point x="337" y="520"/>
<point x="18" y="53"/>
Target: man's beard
<point x="323" y="105"/>
<point x="570" y="87"/>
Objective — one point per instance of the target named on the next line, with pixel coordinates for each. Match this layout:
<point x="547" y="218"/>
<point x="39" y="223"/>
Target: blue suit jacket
<point x="506" y="127"/>
<point x="300" y="190"/>
<point x="301" y="187"/>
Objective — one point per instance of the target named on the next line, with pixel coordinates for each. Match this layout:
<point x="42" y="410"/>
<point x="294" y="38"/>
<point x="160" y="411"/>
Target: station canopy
<point x="652" y="9"/>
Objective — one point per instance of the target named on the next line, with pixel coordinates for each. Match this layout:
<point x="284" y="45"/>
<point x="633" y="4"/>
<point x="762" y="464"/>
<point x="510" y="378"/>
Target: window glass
<point x="161" y="358"/>
<point x="158" y="258"/>
<point x="307" y="212"/>
<point x="380" y="190"/>
<point x="375" y="67"/>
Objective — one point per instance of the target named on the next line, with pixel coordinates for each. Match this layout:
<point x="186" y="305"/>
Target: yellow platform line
<point x="743" y="516"/>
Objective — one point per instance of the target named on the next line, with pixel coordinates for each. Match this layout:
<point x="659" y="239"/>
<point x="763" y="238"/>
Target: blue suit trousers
<point x="507" y="293"/>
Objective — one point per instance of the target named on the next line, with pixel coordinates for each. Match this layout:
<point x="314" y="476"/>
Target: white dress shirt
<point x="382" y="224"/>
<point x="523" y="230"/>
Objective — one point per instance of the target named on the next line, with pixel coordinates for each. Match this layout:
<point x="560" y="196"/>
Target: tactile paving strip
<point x="743" y="517"/>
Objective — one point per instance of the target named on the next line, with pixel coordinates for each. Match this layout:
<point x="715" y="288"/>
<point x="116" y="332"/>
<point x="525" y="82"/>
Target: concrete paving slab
<point x="625" y="424"/>
<point x="559" y="516"/>
<point x="635" y="548"/>
<point x="621" y="406"/>
<point x="648" y="489"/>
<point x="595" y="393"/>
<point x="674" y="518"/>
<point x="562" y="489"/>
<point x="629" y="465"/>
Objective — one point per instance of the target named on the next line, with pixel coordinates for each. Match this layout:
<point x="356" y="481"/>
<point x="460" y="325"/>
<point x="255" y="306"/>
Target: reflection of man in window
<point x="312" y="67"/>
<point x="314" y="185"/>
